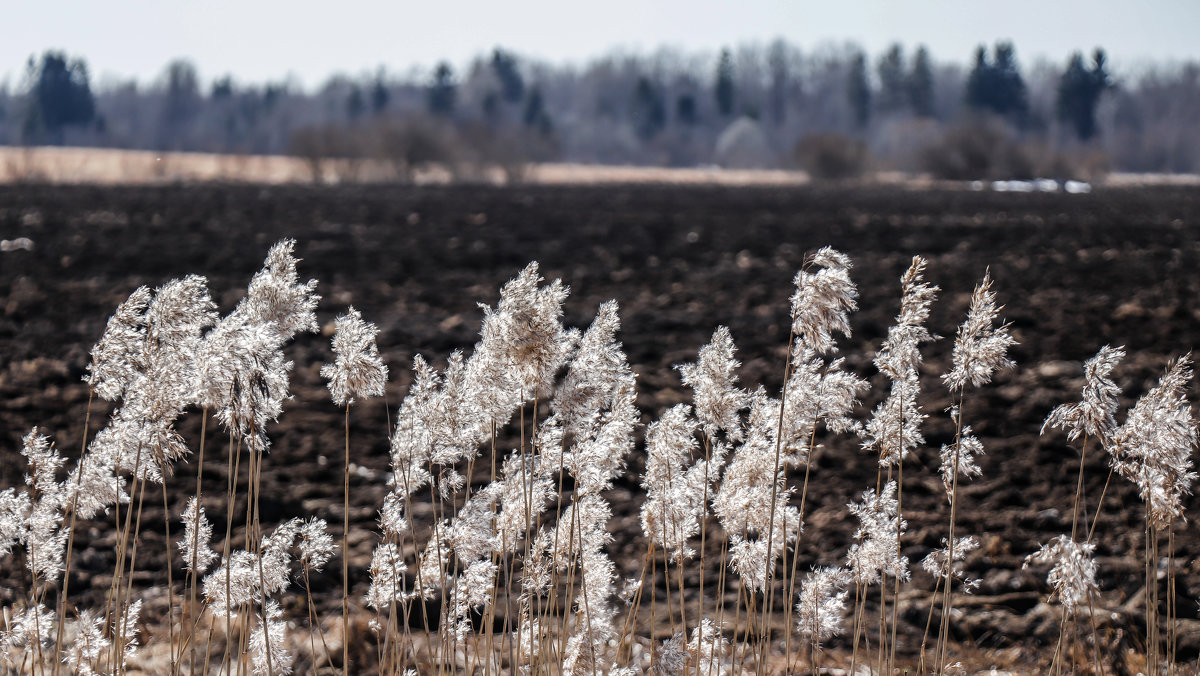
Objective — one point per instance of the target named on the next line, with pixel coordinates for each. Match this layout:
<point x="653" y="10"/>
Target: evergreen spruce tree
<point x="1079" y="91"/>
<point x="535" y="115"/>
<point x="920" y="84"/>
<point x="648" y="111"/>
<point x="443" y="91"/>
<point x="60" y="96"/>
<point x="893" y="93"/>
<point x="512" y="85"/>
<point x="996" y="86"/>
<point x="685" y="109"/>
<point x="723" y="89"/>
<point x="379" y="95"/>
<point x="858" y="89"/>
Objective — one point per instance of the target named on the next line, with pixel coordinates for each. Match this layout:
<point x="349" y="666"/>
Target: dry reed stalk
<point x="66" y="578"/>
<point x="570" y="621"/>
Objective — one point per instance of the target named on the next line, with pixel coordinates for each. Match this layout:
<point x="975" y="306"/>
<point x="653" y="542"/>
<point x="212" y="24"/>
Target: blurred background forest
<point x="834" y="111"/>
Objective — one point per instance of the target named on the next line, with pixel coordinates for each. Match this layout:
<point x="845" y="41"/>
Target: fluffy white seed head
<point x="14" y="509"/>
<point x="161" y="379"/>
<point x="751" y="486"/>
<point x="589" y="645"/>
<point x="961" y="456"/>
<point x="523" y="342"/>
<point x="936" y="562"/>
<point x="823" y="300"/>
<point x="595" y="370"/>
<point x="316" y="545"/>
<point x="275" y="552"/>
<point x="197" y="532"/>
<point x="129" y="632"/>
<point x="980" y="349"/>
<point x="672" y="657"/>
<point x="472" y="533"/>
<point x="253" y="577"/>
<point x="25" y="630"/>
<point x="391" y="515"/>
<point x="900" y="353"/>
<point x="89" y="642"/>
<point x="816" y="392"/>
<point x="269" y="652"/>
<point x="1095" y="414"/>
<point x="709" y="649"/>
<point x="713" y="378"/>
<point x="45" y="540"/>
<point x="118" y="357"/>
<point x="42" y="461"/>
<point x="446" y="416"/>
<point x="1073" y="571"/>
<point x="597" y="461"/>
<point x="93" y="485"/>
<point x="276" y="296"/>
<point x="387" y="577"/>
<point x="358" y="370"/>
<point x="414" y="437"/>
<point x="894" y="428"/>
<point x="674" y="502"/>
<point x="877" y="550"/>
<point x="524" y="491"/>
<point x="434" y="562"/>
<point x="242" y="374"/>
<point x="1153" y="448"/>
<point x="178" y="314"/>
<point x="472" y="591"/>
<point x="241" y="569"/>
<point x="821" y="610"/>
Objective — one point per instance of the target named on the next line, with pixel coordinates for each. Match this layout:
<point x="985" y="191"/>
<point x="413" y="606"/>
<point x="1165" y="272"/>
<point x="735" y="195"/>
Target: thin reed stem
<point x="859" y="598"/>
<point x="891" y="662"/>
<point x="947" y="594"/>
<point x="1095" y="634"/>
<point x="194" y="574"/>
<point x="234" y="468"/>
<point x="721" y="582"/>
<point x="703" y="527"/>
<point x="62" y="597"/>
<point x="768" y="585"/>
<point x="137" y="529"/>
<point x="790" y="581"/>
<point x="1172" y="637"/>
<point x="170" y="565"/>
<point x="937" y="585"/>
<point x="346" y="553"/>
<point x="630" y="623"/>
<point x="1079" y="491"/>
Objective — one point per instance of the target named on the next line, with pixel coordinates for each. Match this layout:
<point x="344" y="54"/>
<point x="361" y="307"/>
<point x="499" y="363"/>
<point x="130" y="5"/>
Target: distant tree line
<point x="836" y="111"/>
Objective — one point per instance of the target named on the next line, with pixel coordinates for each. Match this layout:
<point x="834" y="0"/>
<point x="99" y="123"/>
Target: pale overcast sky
<point x="312" y="39"/>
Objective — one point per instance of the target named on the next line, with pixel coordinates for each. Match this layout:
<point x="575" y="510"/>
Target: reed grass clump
<point x="515" y="573"/>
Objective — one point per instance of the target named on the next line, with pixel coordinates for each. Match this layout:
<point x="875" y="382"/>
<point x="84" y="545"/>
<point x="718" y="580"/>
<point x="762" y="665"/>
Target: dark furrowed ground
<point x="1076" y="272"/>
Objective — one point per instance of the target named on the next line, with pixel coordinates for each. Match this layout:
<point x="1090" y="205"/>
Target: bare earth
<point x="1117" y="266"/>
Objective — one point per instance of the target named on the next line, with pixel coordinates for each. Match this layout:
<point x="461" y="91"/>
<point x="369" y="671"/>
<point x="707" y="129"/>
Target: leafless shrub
<point x="413" y="144"/>
<point x="831" y="156"/>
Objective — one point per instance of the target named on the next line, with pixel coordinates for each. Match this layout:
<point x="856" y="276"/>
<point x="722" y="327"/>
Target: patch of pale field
<point x="1134" y="180"/>
<point x="114" y="167"/>
<point x="111" y="166"/>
